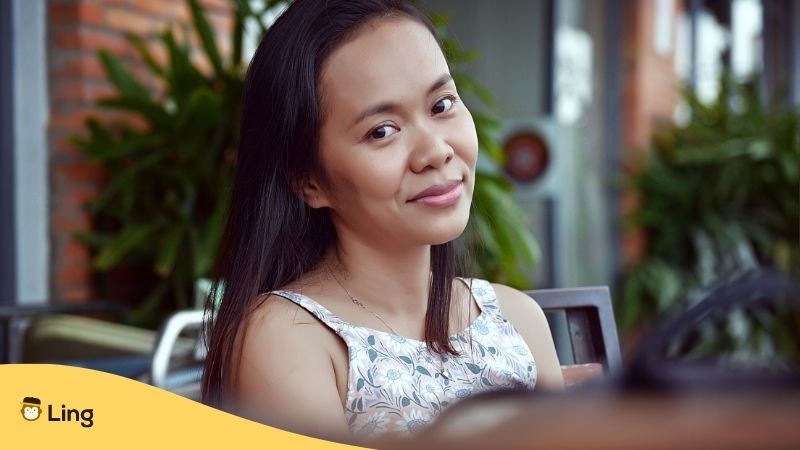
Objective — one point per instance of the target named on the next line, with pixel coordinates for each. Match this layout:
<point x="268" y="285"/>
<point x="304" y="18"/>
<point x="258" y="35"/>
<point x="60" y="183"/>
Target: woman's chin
<point x="442" y="233"/>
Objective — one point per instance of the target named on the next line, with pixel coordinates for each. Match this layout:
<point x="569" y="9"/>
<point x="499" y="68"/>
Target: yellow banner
<point x="53" y="406"/>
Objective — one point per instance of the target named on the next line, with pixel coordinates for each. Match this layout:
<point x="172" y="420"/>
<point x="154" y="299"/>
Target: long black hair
<point x="272" y="237"/>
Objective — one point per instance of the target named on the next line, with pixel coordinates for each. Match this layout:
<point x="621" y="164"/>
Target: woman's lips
<point x="440" y="195"/>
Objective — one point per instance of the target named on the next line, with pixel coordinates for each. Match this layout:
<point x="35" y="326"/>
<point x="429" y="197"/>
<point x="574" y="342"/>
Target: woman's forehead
<point x="390" y="59"/>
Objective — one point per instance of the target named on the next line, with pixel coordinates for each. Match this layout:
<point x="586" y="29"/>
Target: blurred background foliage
<point x="169" y="170"/>
<point x="717" y="196"/>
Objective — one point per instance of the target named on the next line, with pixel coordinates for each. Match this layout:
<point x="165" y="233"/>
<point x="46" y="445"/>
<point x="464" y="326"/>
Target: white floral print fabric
<point x="396" y="385"/>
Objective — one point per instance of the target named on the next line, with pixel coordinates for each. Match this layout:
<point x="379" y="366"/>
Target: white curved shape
<point x="165" y="344"/>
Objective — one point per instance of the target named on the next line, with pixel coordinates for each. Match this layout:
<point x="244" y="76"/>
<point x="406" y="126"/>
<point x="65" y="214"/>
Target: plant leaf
<point x="144" y="53"/>
<point x="118" y="248"/>
<point x="168" y="251"/>
<point x="206" y="35"/>
<point x="119" y="76"/>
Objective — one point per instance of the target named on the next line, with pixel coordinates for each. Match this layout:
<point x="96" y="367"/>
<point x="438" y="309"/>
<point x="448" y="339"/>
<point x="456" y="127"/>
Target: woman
<point x="341" y="313"/>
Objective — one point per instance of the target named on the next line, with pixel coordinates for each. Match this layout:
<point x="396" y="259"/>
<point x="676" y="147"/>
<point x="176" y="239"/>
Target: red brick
<point x="92" y="39"/>
<point x="68" y="225"/>
<point x="61" y="148"/>
<point x="74" y="274"/>
<point x="124" y="19"/>
<point x="159" y="52"/>
<point x="74" y="294"/>
<point x="137" y="122"/>
<point x="76" y="91"/>
<point x="72" y="121"/>
<point x="81" y="196"/>
<point x="78" y="172"/>
<point x="221" y="23"/>
<point x="70" y="91"/>
<point x="81" y="66"/>
<point x="216" y="5"/>
<point x="166" y="9"/>
<point x="74" y="250"/>
<point x="80" y="12"/>
<point x="202" y="63"/>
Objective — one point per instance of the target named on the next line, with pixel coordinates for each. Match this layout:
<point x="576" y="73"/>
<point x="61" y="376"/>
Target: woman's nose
<point x="430" y="150"/>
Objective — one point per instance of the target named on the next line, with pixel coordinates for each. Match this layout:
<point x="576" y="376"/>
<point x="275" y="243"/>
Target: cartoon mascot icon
<point x="31" y="408"/>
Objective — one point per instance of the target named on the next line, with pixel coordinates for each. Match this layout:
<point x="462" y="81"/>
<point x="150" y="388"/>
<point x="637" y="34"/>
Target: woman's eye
<point x="444" y="105"/>
<point x="382" y="132"/>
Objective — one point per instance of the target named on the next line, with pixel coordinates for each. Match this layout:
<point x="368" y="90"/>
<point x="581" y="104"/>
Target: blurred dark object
<point x="661" y="364"/>
<point x="618" y="420"/>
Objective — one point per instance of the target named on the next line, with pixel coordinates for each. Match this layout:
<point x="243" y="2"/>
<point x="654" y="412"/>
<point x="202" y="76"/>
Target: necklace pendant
<point x="445" y="373"/>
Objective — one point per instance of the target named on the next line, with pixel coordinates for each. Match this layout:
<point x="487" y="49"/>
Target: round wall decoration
<point x="527" y="156"/>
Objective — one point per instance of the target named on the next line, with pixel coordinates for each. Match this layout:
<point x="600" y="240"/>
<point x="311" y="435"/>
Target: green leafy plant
<point x="718" y="195"/>
<point x="169" y="176"/>
<point x="165" y="201"/>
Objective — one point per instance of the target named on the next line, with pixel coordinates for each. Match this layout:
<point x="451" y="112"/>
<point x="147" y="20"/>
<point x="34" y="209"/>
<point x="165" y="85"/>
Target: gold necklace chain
<point x="357" y="302"/>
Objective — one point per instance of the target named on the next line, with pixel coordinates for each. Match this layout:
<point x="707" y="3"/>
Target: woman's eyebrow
<point x="384" y="107"/>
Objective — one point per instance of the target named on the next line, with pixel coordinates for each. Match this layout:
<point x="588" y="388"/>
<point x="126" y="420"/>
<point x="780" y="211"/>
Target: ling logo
<point x="32" y="410"/>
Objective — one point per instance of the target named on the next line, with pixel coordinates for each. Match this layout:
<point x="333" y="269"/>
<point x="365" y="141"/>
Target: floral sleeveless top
<point x="395" y="385"/>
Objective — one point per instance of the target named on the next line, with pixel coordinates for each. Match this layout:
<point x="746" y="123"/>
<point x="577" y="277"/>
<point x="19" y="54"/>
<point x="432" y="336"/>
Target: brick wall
<point x="76" y="30"/>
<point x="649" y="97"/>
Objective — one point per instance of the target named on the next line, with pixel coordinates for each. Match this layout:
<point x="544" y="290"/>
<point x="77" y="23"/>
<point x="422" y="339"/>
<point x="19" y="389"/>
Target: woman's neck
<point x="394" y="281"/>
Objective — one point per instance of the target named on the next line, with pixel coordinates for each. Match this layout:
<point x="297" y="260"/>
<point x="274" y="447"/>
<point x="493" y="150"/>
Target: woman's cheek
<point x="383" y="171"/>
<point x="468" y="139"/>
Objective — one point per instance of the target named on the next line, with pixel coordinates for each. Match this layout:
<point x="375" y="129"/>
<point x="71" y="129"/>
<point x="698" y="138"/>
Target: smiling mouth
<point x="440" y="195"/>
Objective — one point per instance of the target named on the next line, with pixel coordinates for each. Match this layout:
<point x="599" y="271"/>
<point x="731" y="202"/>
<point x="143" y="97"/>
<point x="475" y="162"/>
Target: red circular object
<point x="527" y="157"/>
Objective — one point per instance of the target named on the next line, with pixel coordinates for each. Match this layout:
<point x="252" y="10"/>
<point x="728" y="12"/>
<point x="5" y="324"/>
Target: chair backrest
<point x="590" y="323"/>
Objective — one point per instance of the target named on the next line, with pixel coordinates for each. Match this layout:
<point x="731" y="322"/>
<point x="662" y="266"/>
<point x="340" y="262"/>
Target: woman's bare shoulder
<point x="286" y="370"/>
<point x="278" y="318"/>
<point x="280" y="314"/>
<point x="284" y="327"/>
<point x="528" y="318"/>
<point x="514" y="302"/>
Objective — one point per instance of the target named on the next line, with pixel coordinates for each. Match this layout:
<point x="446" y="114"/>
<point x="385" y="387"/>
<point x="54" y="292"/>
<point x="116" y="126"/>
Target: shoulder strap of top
<point x="320" y="312"/>
<point x="485" y="296"/>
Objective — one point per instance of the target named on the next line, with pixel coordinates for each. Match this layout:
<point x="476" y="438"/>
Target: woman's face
<point x="394" y="128"/>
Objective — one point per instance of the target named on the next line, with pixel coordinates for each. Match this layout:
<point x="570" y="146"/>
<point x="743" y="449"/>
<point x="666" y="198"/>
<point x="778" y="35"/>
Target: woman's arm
<point x="286" y="376"/>
<point x="528" y="318"/>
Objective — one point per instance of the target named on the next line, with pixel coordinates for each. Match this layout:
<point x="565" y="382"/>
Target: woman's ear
<point x="310" y="189"/>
